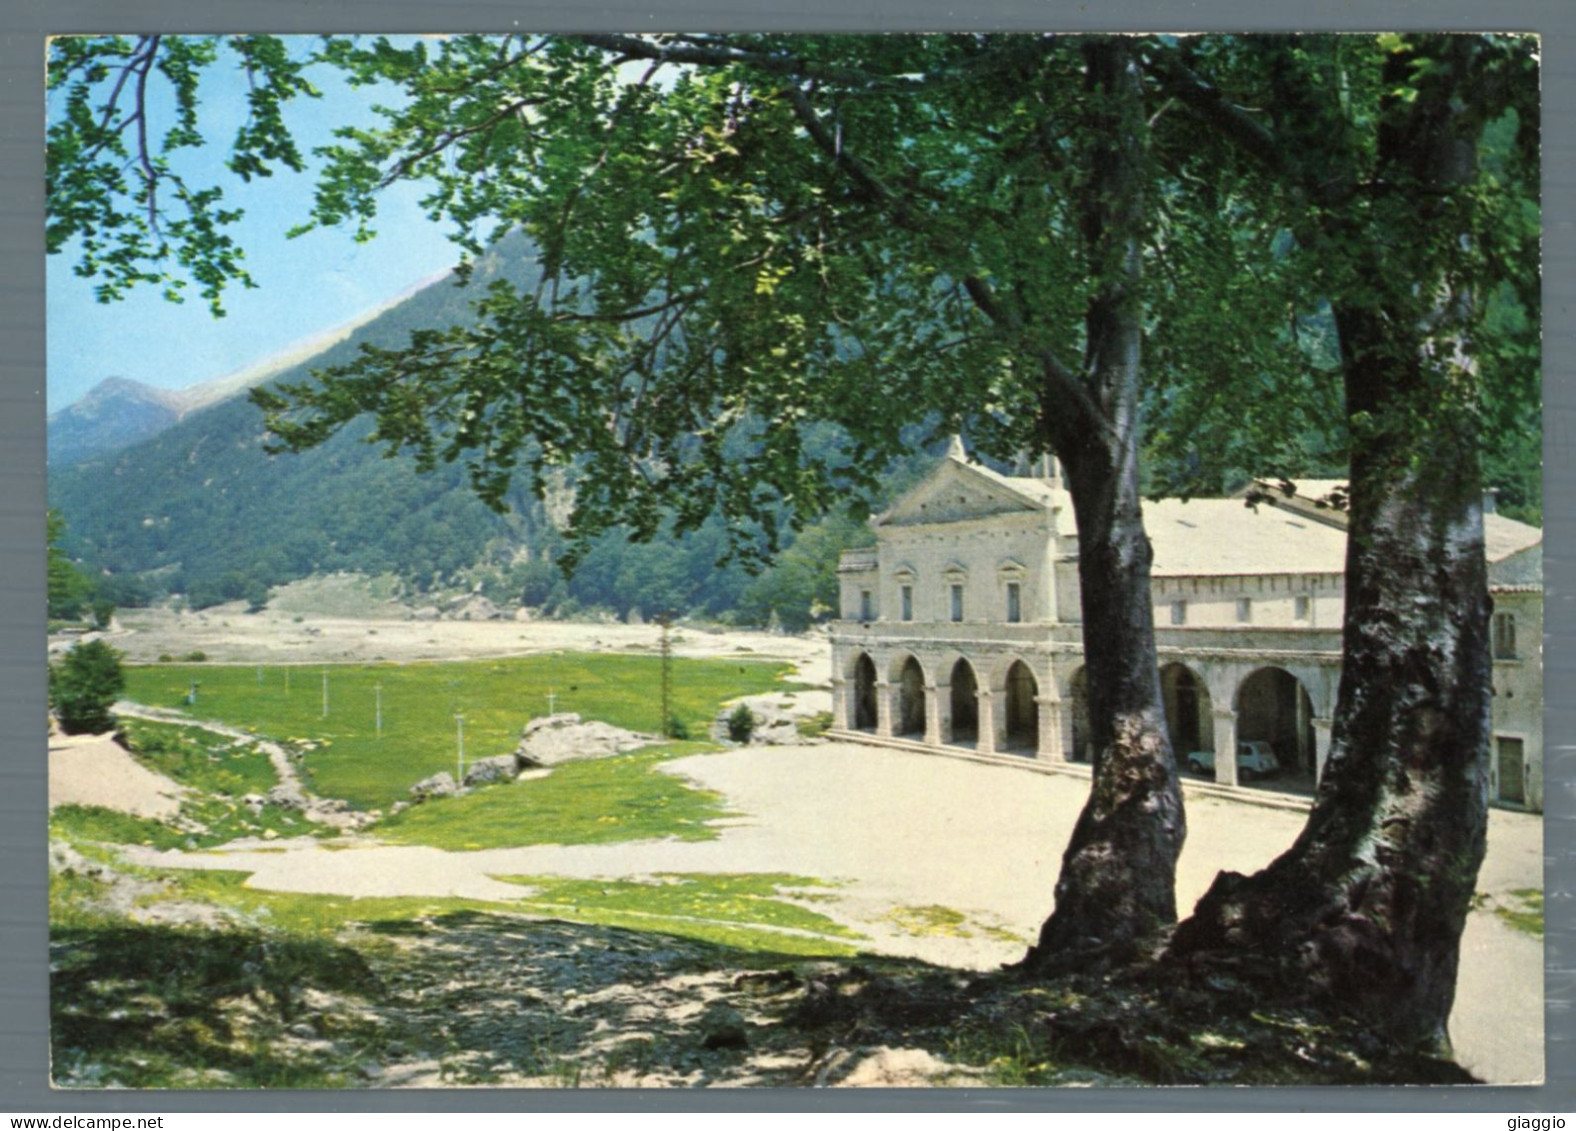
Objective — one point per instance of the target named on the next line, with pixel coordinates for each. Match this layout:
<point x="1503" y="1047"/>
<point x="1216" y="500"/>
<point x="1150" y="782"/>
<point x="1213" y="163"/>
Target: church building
<point x="960" y="630"/>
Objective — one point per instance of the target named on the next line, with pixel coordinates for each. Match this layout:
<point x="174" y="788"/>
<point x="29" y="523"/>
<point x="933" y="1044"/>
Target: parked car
<point x="1255" y="759"/>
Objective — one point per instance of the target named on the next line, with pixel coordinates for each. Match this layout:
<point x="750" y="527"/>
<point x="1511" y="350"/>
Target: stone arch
<point x="1078" y="698"/>
<point x="1189" y="710"/>
<point x="1022" y="708"/>
<point x="909" y="719"/>
<point x="1274" y="706"/>
<point x="965" y="703"/>
<point x="863" y="714"/>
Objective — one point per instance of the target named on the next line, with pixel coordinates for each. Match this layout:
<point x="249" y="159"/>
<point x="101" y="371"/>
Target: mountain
<point x="200" y="509"/>
<point x="115" y="414"/>
<point x="197" y="494"/>
<point x="119" y="412"/>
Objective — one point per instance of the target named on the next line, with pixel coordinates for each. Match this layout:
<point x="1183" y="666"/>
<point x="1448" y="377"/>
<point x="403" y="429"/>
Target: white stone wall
<point x="983" y="556"/>
<point x="1212" y="602"/>
<point x="1518" y="693"/>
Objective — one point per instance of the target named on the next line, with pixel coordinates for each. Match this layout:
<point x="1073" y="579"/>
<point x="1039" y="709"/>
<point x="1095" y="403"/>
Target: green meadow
<point x="347" y="756"/>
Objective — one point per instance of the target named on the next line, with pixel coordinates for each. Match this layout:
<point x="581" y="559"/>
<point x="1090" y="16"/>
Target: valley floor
<point x="926" y="858"/>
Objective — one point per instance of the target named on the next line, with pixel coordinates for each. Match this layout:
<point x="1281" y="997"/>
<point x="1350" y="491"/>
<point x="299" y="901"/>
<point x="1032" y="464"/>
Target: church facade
<point x="960" y="630"/>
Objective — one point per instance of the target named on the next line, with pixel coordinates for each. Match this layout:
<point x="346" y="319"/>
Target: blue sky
<point x="305" y="285"/>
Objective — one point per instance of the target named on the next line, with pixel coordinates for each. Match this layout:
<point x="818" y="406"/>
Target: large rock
<point x="777" y="716"/>
<point x="476" y="608"/>
<point x="438" y="785"/>
<point x="565" y="737"/>
<point x="501" y="768"/>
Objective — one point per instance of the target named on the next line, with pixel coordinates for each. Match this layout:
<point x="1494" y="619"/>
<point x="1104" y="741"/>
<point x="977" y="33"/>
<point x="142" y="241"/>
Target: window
<point x="957" y="602"/>
<point x="865" y="611"/>
<point x="908" y="602"/>
<point x="1014" y="603"/>
<point x="1300" y="608"/>
<point x="1244" y="610"/>
<point x="1178" y="612"/>
<point x="1504" y="636"/>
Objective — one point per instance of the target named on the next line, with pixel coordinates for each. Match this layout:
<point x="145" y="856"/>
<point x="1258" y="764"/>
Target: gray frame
<point x="23" y="800"/>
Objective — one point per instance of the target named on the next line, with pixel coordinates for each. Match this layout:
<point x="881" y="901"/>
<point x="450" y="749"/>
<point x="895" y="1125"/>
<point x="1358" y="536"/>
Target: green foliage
<point x="741" y="724"/>
<point x="599" y="801"/>
<point x="200" y="759"/>
<point x="1524" y="911"/>
<point x="67" y="587"/>
<point x="116" y="191"/>
<point x="800" y="587"/>
<point x="84" y="685"/>
<point x="747" y="911"/>
<point x="347" y="757"/>
<point x="105" y="978"/>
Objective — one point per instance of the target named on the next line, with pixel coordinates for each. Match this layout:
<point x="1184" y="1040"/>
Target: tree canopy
<point x="1284" y="249"/>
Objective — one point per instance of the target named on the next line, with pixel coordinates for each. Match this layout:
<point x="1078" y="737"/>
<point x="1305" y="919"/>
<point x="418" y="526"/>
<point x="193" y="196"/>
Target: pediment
<point x="957" y="492"/>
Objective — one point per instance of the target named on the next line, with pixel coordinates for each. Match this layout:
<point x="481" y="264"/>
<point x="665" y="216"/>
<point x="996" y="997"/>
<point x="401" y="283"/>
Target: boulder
<point x="476" y="608"/>
<point x="288" y="795"/>
<point x="426" y="612"/>
<point x="777" y="716"/>
<point x="438" y="785"/>
<point x="501" y="768"/>
<point x="565" y="737"/>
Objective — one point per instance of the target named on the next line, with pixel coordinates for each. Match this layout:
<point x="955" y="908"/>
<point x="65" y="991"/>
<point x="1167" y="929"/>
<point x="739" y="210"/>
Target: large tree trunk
<point x="1117" y="884"/>
<point x="1367" y="907"/>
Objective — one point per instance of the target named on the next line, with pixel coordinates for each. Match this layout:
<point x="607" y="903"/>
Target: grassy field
<point x="348" y="757"/>
<point x="593" y="802"/>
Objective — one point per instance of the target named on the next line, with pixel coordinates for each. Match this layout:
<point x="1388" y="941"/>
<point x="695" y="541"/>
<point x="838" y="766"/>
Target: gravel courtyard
<point x="907" y="834"/>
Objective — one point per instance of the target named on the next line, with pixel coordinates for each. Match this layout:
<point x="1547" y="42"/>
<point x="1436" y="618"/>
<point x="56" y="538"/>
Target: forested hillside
<point x="201" y="510"/>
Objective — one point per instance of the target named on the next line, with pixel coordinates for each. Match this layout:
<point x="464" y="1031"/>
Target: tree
<point x="1379" y="153"/>
<point x="68" y="589"/>
<point x="84" y="686"/>
<point x="741" y="236"/>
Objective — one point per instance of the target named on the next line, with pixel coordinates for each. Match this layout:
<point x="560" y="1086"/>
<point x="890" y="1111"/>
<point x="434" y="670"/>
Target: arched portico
<point x="862" y="714"/>
<point x="965" y="728"/>
<point x="1274" y="707"/>
<point x="1082" y="737"/>
<point x="1022" y="710"/>
<point x="908" y="720"/>
<point x="1189" y="710"/>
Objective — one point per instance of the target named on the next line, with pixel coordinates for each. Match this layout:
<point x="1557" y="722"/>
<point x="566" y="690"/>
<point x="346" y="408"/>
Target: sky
<point x="305" y="285"/>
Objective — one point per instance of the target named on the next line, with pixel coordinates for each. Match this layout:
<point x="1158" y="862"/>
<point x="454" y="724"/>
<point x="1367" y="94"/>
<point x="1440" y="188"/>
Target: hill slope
<point x="201" y="496"/>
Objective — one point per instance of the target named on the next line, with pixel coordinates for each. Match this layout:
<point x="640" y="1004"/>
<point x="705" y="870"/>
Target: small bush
<point x="166" y="658"/>
<point x="741" y="724"/>
<point x="815" y="725"/>
<point x="84" y="686"/>
<point x="677" y="728"/>
<point x="196" y="657"/>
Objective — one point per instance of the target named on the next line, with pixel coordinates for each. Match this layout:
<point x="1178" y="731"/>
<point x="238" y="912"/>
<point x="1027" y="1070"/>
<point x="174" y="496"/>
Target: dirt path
<point x="94" y="769"/>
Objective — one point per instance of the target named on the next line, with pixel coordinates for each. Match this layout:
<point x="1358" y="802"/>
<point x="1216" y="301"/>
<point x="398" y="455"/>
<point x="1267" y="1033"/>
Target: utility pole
<point x="325" y="693"/>
<point x="377" y="690"/>
<point x="459" y="758"/>
<point x="665" y="621"/>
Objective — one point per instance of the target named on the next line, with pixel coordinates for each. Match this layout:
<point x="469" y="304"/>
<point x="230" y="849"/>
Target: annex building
<point x="961" y="629"/>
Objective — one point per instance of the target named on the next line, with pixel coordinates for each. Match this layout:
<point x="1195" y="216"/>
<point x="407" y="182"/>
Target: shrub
<point x="741" y="724"/>
<point x="196" y="657"/>
<point x="677" y="728"/>
<point x="84" y="686"/>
